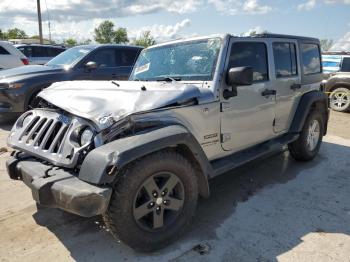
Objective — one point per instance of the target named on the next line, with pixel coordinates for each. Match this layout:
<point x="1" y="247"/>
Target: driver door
<point x="248" y="118"/>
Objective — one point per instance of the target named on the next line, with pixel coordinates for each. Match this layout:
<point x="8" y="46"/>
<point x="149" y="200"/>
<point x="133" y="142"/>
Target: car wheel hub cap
<point x="313" y="135"/>
<point x="340" y="100"/>
<point x="159" y="201"/>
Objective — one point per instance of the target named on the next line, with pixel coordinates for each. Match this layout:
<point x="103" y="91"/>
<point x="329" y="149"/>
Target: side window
<point x="126" y="57"/>
<point x="39" y="51"/>
<point x="104" y="58"/>
<point x="253" y="54"/>
<point x="311" y="59"/>
<point x="52" y="52"/>
<point x="26" y="50"/>
<point x="285" y="59"/>
<point x="345" y="66"/>
<point x="3" y="51"/>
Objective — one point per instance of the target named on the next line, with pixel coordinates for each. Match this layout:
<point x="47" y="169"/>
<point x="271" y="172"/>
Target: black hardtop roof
<point x="269" y="35"/>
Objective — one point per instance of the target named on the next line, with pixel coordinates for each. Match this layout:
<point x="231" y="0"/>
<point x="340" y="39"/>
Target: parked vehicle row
<point x="141" y="152"/>
<point x="19" y="86"/>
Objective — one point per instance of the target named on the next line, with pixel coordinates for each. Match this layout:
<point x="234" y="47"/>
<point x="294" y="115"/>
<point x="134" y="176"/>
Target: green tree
<point x="85" y="42"/>
<point x="106" y="34"/>
<point x="16" y="33"/>
<point x="326" y="44"/>
<point x="145" y="40"/>
<point x="3" y="35"/>
<point x="121" y="36"/>
<point x="70" y="42"/>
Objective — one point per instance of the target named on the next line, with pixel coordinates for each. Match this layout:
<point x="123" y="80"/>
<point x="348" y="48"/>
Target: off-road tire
<point x="119" y="217"/>
<point x="299" y="149"/>
<point x="345" y="106"/>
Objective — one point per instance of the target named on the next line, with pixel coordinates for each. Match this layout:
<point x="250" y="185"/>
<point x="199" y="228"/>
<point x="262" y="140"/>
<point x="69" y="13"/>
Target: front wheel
<point x="339" y="99"/>
<point x="308" y="144"/>
<point x="153" y="201"/>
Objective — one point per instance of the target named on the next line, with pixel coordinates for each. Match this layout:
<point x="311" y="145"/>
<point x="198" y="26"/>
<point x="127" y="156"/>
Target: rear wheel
<point x="153" y="201"/>
<point x="308" y="144"/>
<point x="340" y="99"/>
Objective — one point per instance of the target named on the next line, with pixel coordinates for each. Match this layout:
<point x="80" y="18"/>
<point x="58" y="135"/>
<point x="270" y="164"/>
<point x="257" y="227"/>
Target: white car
<point x="40" y="54"/>
<point x="10" y="56"/>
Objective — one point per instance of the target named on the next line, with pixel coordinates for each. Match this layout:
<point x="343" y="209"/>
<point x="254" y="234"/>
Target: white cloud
<point x="79" y="10"/>
<point x="162" y="32"/>
<point x="343" y="44"/>
<point x="310" y="4"/>
<point x="307" y="5"/>
<point x="252" y="7"/>
<point x="254" y="30"/>
<point x="233" y="7"/>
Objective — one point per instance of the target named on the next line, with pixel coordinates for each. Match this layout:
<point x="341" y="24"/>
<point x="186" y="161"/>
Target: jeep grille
<point x="48" y="135"/>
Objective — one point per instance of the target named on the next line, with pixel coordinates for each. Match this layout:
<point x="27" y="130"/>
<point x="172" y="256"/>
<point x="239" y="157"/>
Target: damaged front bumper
<point x="59" y="188"/>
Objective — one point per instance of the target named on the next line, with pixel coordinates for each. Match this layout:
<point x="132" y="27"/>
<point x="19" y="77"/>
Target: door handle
<point x="295" y="86"/>
<point x="268" y="92"/>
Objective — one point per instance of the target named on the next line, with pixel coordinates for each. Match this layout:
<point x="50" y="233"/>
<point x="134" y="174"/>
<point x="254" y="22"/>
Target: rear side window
<point x="253" y="54"/>
<point x="26" y="50"/>
<point x="345" y="67"/>
<point x="126" y="57"/>
<point x="52" y="51"/>
<point x="3" y="51"/>
<point x="311" y="59"/>
<point x="285" y="59"/>
<point x="104" y="58"/>
<point x="39" y="51"/>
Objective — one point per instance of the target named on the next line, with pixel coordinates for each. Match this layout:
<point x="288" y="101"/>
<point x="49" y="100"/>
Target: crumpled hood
<point x="96" y="99"/>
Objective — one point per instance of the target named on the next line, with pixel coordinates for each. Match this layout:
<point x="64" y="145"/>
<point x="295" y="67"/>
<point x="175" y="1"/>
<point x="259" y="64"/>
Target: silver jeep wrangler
<point x="141" y="152"/>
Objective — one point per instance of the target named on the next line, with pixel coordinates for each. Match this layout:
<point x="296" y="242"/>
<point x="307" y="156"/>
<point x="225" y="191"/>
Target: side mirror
<point x="240" y="76"/>
<point x="237" y="76"/>
<point x="91" y="66"/>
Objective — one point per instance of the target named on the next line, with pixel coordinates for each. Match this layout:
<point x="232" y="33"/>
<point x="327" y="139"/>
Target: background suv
<point x="11" y="57"/>
<point x="337" y="86"/>
<point x="40" y="54"/>
<point x="19" y="86"/>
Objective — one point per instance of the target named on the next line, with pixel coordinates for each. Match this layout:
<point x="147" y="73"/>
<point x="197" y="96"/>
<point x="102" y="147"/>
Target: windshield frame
<point x="133" y="76"/>
<point x="90" y="49"/>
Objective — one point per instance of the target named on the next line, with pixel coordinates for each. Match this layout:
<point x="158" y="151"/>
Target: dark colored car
<point x="19" y="86"/>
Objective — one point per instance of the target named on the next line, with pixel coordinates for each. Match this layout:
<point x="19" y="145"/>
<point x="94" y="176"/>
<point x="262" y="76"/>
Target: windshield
<point x="195" y="60"/>
<point x="70" y="56"/>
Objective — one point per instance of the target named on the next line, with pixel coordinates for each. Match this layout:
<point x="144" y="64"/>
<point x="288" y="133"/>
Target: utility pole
<point x="39" y="21"/>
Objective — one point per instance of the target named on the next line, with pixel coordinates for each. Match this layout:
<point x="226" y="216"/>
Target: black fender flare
<point x="306" y="103"/>
<point x="117" y="154"/>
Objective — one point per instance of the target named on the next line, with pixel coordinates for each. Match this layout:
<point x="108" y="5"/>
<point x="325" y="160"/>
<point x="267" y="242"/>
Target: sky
<point x="171" y="19"/>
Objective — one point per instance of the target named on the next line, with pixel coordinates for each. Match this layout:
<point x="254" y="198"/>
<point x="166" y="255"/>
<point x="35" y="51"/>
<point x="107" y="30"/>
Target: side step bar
<point x="223" y="165"/>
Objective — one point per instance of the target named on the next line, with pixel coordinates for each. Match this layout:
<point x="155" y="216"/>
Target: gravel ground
<point x="270" y="210"/>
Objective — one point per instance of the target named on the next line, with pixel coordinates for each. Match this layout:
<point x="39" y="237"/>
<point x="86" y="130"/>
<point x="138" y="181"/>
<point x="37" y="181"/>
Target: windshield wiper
<point x="115" y="83"/>
<point x="169" y="79"/>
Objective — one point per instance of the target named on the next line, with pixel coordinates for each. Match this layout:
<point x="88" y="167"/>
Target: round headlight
<point x="86" y="136"/>
<point x="27" y="120"/>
